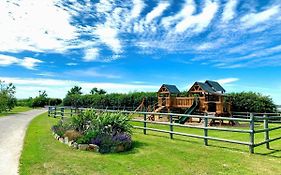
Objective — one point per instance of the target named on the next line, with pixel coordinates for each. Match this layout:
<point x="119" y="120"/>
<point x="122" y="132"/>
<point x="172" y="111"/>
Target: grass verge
<point x="15" y="110"/>
<point x="154" y="153"/>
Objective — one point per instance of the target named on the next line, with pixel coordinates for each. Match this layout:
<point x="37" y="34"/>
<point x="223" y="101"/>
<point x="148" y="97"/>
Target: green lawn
<point x="154" y="153"/>
<point x="16" y="110"/>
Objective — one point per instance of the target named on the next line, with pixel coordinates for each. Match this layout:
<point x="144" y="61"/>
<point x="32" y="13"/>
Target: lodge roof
<point x="171" y="88"/>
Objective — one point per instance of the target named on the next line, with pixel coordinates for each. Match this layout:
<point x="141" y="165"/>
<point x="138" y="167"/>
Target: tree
<point x="76" y="90"/>
<point x="7" y="99"/>
<point x="41" y="100"/>
<point x="97" y="91"/>
<point x="251" y="102"/>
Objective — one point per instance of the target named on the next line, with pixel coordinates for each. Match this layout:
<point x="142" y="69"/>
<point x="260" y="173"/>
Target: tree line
<point x="99" y="98"/>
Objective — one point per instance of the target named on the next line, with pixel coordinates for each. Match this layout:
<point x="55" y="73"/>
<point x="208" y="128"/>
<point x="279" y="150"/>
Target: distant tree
<point x="7" y="99"/>
<point x="41" y="100"/>
<point x="55" y="101"/>
<point x="76" y="90"/>
<point x="251" y="102"/>
<point x="97" y="91"/>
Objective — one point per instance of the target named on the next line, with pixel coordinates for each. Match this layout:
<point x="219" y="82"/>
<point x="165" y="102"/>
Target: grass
<point x="15" y="110"/>
<point x="154" y="153"/>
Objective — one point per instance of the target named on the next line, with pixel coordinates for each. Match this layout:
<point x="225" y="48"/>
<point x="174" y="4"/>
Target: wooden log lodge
<point x="207" y="97"/>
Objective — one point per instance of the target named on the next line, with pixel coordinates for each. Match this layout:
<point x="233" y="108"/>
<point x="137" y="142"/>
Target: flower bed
<point x="100" y="132"/>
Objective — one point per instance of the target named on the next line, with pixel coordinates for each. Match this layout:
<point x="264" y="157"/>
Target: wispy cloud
<point x="229" y="10"/>
<point x="225" y="81"/>
<point x="27" y="62"/>
<point x="200" y="21"/>
<point x="253" y="19"/>
<point x="111" y="28"/>
<point x="92" y="72"/>
<point x="34" y="26"/>
<point x="156" y="12"/>
<point x="91" y="54"/>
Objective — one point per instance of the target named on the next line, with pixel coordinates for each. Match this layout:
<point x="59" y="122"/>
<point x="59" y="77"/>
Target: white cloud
<point x="253" y="19"/>
<point x="30" y="63"/>
<point x="200" y="21"/>
<point x="7" y="60"/>
<point x="187" y="10"/>
<point x="205" y="46"/>
<point x="71" y="64"/>
<point x="138" y="5"/>
<point x="91" y="54"/>
<point x="229" y="10"/>
<point x="34" y="26"/>
<point x="29" y="87"/>
<point x="156" y="12"/>
<point x="27" y="62"/>
<point x="92" y="72"/>
<point x="225" y="81"/>
<point x="109" y="36"/>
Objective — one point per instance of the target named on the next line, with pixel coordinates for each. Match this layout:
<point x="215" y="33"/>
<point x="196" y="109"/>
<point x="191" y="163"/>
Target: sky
<point x="138" y="45"/>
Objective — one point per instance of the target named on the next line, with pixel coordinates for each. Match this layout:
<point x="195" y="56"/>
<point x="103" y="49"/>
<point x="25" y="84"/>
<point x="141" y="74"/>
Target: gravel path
<point x="12" y="132"/>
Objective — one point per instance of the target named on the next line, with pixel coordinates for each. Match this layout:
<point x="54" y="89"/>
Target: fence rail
<point x="251" y="119"/>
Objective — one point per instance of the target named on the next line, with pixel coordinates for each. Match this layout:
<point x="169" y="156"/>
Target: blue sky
<point x="137" y="45"/>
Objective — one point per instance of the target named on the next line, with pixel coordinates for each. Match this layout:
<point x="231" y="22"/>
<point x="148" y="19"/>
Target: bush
<point x="72" y="135"/>
<point x="54" y="101"/>
<point x="7" y="99"/>
<point x="25" y="102"/>
<point x="114" y="100"/>
<point x="251" y="102"/>
<point x="110" y="131"/>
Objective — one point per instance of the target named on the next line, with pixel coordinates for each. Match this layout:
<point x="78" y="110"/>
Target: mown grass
<point x="16" y="110"/>
<point x="153" y="153"/>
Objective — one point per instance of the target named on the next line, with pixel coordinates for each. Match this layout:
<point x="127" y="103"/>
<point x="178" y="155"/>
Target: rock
<point x="83" y="147"/>
<point x="66" y="140"/>
<point x="70" y="143"/>
<point x="61" y="140"/>
<point x="75" y="145"/>
<point x="93" y="147"/>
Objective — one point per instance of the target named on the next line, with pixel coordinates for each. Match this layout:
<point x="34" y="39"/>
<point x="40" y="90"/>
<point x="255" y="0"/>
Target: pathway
<point x="12" y="132"/>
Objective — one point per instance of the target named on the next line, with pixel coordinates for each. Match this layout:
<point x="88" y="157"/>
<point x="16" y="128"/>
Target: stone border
<point x="72" y="144"/>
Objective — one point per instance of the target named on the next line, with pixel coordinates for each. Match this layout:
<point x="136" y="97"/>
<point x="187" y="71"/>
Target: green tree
<point x="76" y="90"/>
<point x="7" y="99"/>
<point x="251" y="102"/>
<point x="41" y="100"/>
<point x="97" y="91"/>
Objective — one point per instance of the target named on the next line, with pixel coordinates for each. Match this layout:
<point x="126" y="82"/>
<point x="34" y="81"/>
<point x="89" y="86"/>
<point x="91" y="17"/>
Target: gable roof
<point x="205" y="87"/>
<point x="211" y="87"/>
<point x="215" y="85"/>
<point x="171" y="88"/>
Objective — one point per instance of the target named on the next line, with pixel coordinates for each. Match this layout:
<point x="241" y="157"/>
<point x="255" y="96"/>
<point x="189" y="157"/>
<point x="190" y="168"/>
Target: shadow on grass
<point x="242" y="149"/>
<point x="272" y="151"/>
<point x="136" y="145"/>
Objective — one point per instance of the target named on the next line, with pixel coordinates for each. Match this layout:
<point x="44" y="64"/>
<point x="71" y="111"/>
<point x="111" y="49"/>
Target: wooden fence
<point x="251" y="130"/>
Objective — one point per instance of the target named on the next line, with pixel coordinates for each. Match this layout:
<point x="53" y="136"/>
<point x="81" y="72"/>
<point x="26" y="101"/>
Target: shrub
<point x="251" y="102"/>
<point x="72" y="135"/>
<point x="55" y="101"/>
<point x="110" y="131"/>
<point x="132" y="100"/>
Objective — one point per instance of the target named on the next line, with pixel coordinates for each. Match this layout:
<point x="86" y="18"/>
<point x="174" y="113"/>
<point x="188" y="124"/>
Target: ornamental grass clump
<point x="110" y="131"/>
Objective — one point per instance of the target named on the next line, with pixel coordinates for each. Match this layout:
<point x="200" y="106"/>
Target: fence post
<point x="62" y="111"/>
<point x="144" y="124"/>
<point x="70" y="111"/>
<point x="266" y="133"/>
<point x="252" y="133"/>
<point x="49" y="111"/>
<point x="205" y="130"/>
<point x="55" y="113"/>
<point x="171" y="127"/>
